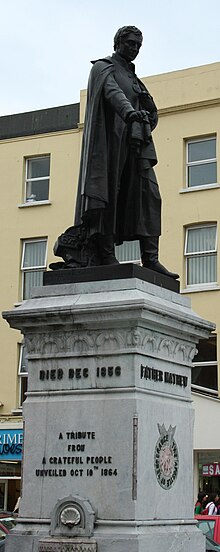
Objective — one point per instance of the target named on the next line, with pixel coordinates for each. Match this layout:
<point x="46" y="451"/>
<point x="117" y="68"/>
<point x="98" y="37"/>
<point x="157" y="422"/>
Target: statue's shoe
<point x="158" y="267"/>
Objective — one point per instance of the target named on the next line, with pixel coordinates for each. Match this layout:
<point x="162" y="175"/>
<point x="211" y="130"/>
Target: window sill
<point x="213" y="393"/>
<point x="199" y="188"/>
<point x="17" y="411"/>
<point x="34" y="204"/>
<point x="201" y="287"/>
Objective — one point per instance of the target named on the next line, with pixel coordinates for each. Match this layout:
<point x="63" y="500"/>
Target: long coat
<point x="118" y="192"/>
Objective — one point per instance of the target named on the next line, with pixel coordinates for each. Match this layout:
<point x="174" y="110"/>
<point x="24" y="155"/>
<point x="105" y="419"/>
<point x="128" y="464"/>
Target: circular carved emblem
<point x="166" y="458"/>
<point x="70" y="516"/>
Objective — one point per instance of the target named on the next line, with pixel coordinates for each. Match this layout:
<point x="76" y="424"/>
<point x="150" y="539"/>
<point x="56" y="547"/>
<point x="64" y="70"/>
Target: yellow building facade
<point x="39" y="164"/>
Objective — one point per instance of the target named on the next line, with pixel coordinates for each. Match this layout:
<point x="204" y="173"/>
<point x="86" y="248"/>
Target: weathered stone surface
<point x="108" y="414"/>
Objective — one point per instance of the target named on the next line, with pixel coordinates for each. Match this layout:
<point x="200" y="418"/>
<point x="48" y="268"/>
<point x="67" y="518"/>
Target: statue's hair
<point x="123" y="31"/>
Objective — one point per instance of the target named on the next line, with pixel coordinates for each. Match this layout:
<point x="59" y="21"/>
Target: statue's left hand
<point x="138" y="116"/>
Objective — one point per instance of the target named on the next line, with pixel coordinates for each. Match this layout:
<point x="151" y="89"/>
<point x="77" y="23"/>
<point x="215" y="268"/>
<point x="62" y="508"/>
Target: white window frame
<point x="208" y="390"/>
<point x="31" y="200"/>
<point x="199" y="162"/>
<point x="206" y="364"/>
<point x="32" y="268"/>
<point x="21" y="373"/>
<point x="199" y="254"/>
<point x="125" y="248"/>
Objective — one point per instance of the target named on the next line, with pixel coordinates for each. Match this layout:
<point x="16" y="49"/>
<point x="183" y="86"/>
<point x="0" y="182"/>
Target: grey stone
<point x="72" y="516"/>
<point x="108" y="416"/>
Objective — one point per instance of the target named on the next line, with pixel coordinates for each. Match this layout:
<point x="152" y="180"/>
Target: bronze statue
<point x="118" y="196"/>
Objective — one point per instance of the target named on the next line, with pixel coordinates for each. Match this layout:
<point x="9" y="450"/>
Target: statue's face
<point x="129" y="47"/>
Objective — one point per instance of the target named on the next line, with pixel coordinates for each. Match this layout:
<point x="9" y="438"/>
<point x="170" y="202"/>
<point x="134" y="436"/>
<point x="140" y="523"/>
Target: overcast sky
<point x="46" y="45"/>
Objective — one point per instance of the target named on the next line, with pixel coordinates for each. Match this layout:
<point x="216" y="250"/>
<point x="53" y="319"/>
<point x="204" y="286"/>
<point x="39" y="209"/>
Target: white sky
<point x="46" y="45"/>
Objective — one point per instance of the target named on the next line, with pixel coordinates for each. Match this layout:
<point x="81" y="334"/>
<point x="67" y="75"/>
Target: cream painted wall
<point x="188" y="86"/>
<point x="206" y="434"/>
<point x="18" y="223"/>
<point x="181" y="209"/>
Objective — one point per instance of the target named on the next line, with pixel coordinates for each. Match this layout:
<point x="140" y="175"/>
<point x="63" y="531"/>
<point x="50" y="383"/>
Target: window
<point x="201" y="255"/>
<point x="128" y="252"/>
<point x="23" y="374"/>
<point x="204" y="372"/>
<point x="37" y="179"/>
<point x="33" y="264"/>
<point x="201" y="162"/>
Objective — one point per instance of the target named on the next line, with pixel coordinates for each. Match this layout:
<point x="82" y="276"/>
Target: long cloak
<point x="118" y="192"/>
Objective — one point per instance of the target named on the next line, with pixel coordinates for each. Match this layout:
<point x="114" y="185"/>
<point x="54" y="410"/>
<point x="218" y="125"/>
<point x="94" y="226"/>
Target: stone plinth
<point x="108" y="418"/>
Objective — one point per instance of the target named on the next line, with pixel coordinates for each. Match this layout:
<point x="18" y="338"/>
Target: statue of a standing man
<point x="118" y="196"/>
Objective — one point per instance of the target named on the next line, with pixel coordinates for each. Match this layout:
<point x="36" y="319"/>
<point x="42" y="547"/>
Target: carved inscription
<point x="79" y="373"/>
<point x="108" y="372"/>
<point x="83" y="464"/>
<point x="67" y="547"/>
<point x="159" y="375"/>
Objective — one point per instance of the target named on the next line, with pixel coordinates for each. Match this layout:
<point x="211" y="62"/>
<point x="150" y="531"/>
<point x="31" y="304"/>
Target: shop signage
<point x="211" y="469"/>
<point x="11" y="444"/>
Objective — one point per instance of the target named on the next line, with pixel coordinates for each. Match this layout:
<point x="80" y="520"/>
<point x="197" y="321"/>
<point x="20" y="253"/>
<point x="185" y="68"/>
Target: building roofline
<point x="41" y="121"/>
<point x="186" y="71"/>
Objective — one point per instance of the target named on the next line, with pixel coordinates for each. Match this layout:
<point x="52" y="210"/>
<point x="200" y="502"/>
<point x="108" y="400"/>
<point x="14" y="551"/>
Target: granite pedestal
<point x="107" y="462"/>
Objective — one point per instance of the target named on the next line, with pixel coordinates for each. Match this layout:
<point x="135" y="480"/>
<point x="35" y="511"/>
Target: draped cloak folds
<point x="118" y="192"/>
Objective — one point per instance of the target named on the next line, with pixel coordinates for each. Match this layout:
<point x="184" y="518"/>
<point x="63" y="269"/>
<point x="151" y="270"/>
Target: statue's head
<point x="127" y="42"/>
<point x="124" y="31"/>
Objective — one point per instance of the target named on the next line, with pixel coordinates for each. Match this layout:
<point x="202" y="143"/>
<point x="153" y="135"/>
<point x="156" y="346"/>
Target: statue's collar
<point x="128" y="65"/>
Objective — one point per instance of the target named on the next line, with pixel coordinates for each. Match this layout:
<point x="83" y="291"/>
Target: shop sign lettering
<point x="11" y="444"/>
<point x="211" y="469"/>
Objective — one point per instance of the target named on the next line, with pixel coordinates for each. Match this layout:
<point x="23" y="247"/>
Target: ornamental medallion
<point x="166" y="457"/>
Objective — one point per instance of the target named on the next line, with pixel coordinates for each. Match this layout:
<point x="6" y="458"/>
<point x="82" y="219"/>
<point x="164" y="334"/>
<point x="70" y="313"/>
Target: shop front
<point x="10" y="467"/>
<point x="210" y="475"/>
<point x="206" y="445"/>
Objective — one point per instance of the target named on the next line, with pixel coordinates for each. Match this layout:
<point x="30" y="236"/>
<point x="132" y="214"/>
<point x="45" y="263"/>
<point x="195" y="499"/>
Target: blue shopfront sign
<point x="11" y="441"/>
